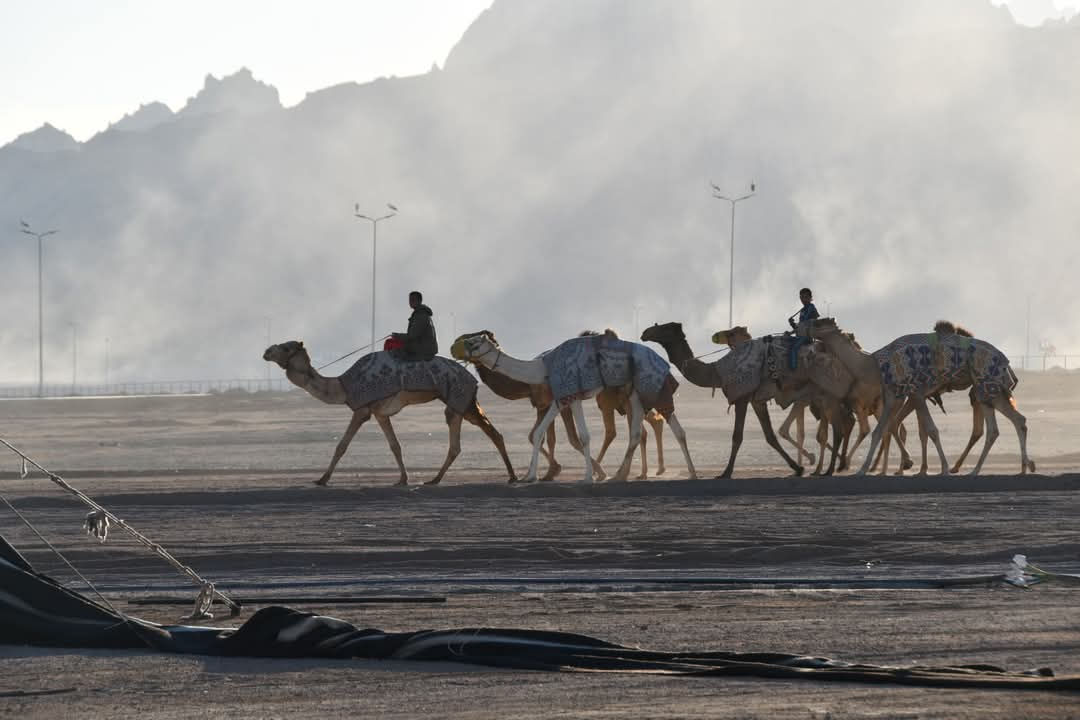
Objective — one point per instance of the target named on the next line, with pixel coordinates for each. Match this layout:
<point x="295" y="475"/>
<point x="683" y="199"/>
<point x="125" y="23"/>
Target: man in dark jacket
<point x="420" y="341"/>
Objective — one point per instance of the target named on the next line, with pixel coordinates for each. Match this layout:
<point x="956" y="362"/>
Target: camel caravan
<point x="816" y="367"/>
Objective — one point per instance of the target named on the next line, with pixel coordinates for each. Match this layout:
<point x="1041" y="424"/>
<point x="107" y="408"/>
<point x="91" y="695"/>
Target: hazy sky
<point x="81" y="65"/>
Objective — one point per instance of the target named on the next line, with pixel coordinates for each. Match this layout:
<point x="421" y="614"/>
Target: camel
<point x="293" y="357"/>
<point x="742" y="376"/>
<point x="612" y="400"/>
<point x="914" y="367"/>
<point x="481" y="347"/>
<point x="608" y="400"/>
<point x="955" y="384"/>
<point x="816" y="405"/>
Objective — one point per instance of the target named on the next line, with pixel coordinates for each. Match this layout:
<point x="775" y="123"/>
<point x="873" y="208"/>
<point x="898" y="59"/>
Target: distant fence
<point x="166" y="387"/>
<point x="1045" y="362"/>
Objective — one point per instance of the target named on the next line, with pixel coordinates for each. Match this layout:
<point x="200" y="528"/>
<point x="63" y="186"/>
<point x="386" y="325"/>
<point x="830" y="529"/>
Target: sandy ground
<point x="224" y="483"/>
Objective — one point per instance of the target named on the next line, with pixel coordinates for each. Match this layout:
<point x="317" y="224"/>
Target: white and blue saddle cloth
<point x="379" y="375"/>
<point x="583" y="364"/>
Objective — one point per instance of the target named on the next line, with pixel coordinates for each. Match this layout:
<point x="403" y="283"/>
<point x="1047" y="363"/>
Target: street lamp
<point x="74" y="354"/>
<point x="41" y="333"/>
<point x="731" y="271"/>
<point x="374" y="243"/>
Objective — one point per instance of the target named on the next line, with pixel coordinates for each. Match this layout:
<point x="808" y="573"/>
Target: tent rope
<point x="101" y="517"/>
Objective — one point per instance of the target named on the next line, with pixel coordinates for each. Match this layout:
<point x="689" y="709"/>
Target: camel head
<point x="288" y="353"/>
<point x="473" y="346"/>
<point x="662" y="334"/>
<point x="732" y="337"/>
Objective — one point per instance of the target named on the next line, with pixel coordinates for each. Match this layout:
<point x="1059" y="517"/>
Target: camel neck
<point x="526" y="371"/>
<point x="845" y="352"/>
<point x="502" y="385"/>
<point x="328" y="390"/>
<point x="697" y="372"/>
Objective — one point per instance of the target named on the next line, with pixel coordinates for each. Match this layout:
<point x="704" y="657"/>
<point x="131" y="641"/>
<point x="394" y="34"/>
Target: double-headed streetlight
<point x="374" y="244"/>
<point x="26" y="229"/>
<point x="731" y="270"/>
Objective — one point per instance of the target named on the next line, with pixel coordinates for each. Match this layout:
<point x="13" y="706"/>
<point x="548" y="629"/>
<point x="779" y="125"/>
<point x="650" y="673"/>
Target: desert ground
<point x="829" y="566"/>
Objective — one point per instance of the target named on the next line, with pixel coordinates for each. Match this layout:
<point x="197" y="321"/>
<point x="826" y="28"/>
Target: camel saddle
<point x="379" y="375"/>
<point x="583" y="364"/>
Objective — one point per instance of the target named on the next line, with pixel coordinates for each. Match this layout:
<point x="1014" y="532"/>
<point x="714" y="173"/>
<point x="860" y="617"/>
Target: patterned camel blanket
<point x="583" y="364"/>
<point x="380" y="375"/>
<point x="926" y="361"/>
<point x="739" y="372"/>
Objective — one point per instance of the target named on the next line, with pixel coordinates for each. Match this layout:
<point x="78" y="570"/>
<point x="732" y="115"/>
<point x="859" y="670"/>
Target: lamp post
<point x="731" y="267"/>
<point x="374" y="244"/>
<point x="41" y="333"/>
<point x="106" y="364"/>
<point x="637" y="333"/>
<point x="74" y="355"/>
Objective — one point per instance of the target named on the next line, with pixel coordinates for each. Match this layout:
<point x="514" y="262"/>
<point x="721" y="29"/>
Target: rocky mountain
<point x="911" y="162"/>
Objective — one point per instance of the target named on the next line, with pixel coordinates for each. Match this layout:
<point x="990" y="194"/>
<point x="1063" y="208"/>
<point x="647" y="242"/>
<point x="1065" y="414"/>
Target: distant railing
<point x="166" y="387"/>
<point x="1045" y="362"/>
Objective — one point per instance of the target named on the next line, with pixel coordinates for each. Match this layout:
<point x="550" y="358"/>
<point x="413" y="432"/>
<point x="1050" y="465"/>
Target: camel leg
<point x="834" y="422"/>
<point x="977" y="421"/>
<point x="864" y="430"/>
<point x="644" y="453"/>
<point x="927" y="425"/>
<point x="395" y="446"/>
<point x="736" y="437"/>
<point x="636" y="412"/>
<point x="822" y="437"/>
<point x="1007" y="407"/>
<point x="477" y="417"/>
<point x="583" y="435"/>
<point x="992" y="433"/>
<point x="875" y="437"/>
<point x="536" y="437"/>
<point x="554" y="468"/>
<point x="607" y="412"/>
<point x="657" y="422"/>
<point x="849" y="426"/>
<point x="575" y="442"/>
<point x="358" y="418"/>
<point x="680" y="437"/>
<point x="796" y="415"/>
<point x="898" y="433"/>
<point x="762" y="412"/>
<point x="453" y="423"/>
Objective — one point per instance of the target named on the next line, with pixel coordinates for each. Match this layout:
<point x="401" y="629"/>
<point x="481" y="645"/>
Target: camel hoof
<point x="434" y="481"/>
<point x="402" y="482"/>
<point x="723" y="476"/>
<point x="547" y="478"/>
<point x="907" y="464"/>
<point x="1031" y="465"/>
<point x="661" y="470"/>
<point x="322" y="482"/>
<point x="799" y="471"/>
<point x="643" y="476"/>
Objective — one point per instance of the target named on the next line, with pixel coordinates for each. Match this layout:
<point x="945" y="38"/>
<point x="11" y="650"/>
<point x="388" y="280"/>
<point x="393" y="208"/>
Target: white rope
<point x="123" y="616"/>
<point x="103" y="516"/>
<point x="365" y="347"/>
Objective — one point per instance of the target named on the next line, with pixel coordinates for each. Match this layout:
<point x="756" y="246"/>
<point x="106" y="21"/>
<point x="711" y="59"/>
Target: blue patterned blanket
<point x="583" y="364"/>
<point x="924" y="362"/>
<point x="380" y="375"/>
